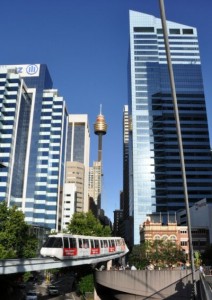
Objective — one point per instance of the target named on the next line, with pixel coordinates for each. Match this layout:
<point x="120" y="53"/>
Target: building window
<point x="173" y="238"/>
<point x="143" y="29"/>
<point x="164" y="237"/>
<point x="187" y="31"/>
<point x="159" y="31"/>
<point x="174" y="31"/>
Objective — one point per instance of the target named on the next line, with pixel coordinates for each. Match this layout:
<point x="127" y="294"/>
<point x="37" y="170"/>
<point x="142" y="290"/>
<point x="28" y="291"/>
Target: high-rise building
<point x="118" y="216"/>
<point x="68" y="204"/>
<point x="155" y="176"/>
<point x="125" y="162"/>
<point x="77" y="158"/>
<point x="33" y="130"/>
<point x="75" y="174"/>
<point x="95" y="187"/>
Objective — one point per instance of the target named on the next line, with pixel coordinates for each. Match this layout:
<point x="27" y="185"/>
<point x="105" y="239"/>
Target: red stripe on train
<point x="69" y="251"/>
<point x="95" y="250"/>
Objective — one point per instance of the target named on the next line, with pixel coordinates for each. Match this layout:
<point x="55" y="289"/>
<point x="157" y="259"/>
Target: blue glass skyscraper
<point x="33" y="129"/>
<point x="155" y="170"/>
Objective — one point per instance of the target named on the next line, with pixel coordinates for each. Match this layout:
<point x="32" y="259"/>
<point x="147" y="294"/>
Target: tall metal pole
<point x="176" y="113"/>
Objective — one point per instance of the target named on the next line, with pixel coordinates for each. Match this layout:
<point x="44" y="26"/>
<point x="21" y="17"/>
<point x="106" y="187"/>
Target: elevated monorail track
<point x="10" y="266"/>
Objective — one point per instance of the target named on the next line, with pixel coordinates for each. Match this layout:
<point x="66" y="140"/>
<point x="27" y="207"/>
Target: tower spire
<point x="100" y="129"/>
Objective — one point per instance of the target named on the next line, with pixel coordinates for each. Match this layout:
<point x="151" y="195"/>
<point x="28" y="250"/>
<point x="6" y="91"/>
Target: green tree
<point x="86" y="224"/>
<point x="158" y="252"/>
<point x="139" y="256"/>
<point x="86" y="284"/>
<point x="15" y="238"/>
<point x="197" y="258"/>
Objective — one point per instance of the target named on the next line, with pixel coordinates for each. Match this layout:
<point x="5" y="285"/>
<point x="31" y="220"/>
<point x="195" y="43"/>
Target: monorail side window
<point x="72" y="242"/>
<point x="58" y="243"/>
<point x="80" y="243"/>
<point x="112" y="243"/>
<point x="92" y="244"/>
<point x="65" y="242"/>
<point x="105" y="244"/>
<point x="102" y="244"/>
<point x="85" y="243"/>
<point x="96" y="243"/>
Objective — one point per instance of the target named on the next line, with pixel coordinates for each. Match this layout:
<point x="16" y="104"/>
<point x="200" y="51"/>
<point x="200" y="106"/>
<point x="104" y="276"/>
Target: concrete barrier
<point x="131" y="285"/>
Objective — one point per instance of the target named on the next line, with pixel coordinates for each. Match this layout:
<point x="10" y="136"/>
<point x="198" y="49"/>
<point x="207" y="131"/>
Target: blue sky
<point x="85" y="45"/>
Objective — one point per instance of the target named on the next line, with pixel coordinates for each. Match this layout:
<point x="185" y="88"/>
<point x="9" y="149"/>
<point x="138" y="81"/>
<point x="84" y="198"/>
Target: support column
<point x="109" y="265"/>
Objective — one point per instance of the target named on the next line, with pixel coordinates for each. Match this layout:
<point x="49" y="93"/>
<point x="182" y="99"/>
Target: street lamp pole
<point x="178" y="128"/>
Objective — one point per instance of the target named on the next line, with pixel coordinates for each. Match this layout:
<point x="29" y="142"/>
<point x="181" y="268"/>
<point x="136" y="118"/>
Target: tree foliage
<point x="197" y="258"/>
<point x="86" y="284"/>
<point x="160" y="253"/>
<point x="15" y="238"/>
<point x="86" y="224"/>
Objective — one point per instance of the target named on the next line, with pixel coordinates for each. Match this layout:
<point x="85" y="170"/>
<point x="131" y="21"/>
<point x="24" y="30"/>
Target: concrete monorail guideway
<point x="9" y="266"/>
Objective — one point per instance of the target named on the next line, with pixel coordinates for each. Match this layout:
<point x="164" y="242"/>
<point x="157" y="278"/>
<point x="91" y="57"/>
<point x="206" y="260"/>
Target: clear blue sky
<point x="85" y="45"/>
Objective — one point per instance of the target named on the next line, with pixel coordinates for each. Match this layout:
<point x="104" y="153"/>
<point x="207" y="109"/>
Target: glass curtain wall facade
<point x="50" y="162"/>
<point x="155" y="171"/>
<point x="125" y="162"/>
<point x="32" y="142"/>
<point x="77" y="158"/>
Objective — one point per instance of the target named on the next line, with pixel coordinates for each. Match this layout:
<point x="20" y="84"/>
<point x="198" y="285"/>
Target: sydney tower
<point x="100" y="129"/>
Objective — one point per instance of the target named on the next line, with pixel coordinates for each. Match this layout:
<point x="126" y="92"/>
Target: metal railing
<point x="205" y="287"/>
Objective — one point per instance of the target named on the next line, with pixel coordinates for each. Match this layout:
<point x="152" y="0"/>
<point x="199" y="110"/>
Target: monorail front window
<point x="58" y="243"/>
<point x="54" y="242"/>
<point x="49" y="242"/>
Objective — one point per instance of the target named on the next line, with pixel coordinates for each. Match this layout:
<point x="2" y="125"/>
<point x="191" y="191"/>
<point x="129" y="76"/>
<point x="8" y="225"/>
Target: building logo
<point x="31" y="69"/>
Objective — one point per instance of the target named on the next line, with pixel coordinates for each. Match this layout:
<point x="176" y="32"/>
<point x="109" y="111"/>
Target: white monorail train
<point x="67" y="246"/>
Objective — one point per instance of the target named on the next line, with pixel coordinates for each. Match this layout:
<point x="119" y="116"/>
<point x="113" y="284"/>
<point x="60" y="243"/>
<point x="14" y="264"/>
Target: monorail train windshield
<point x="53" y="242"/>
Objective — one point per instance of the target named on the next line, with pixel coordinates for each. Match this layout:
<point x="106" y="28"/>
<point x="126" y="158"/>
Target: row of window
<point x="162" y="52"/>
<point x="46" y="189"/>
<point x="47" y="171"/>
<point x="66" y="242"/>
<point x="155" y="42"/>
<point x="160" y="30"/>
<point x="46" y="162"/>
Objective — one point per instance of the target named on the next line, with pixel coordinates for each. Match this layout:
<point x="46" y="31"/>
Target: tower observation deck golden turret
<point x="100" y="129"/>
